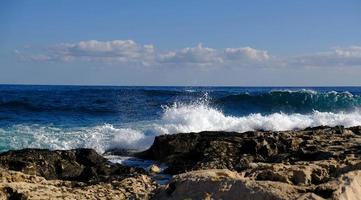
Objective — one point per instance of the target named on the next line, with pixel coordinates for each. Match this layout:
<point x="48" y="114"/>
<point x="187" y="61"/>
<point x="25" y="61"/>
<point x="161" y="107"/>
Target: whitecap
<point x="178" y="118"/>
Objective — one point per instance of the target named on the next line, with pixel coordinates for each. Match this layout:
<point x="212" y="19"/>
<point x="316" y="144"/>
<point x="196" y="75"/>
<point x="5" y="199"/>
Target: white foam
<point x="179" y="118"/>
<point x="195" y="118"/>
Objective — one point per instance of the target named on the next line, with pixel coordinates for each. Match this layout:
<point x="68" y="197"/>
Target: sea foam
<point x="178" y="118"/>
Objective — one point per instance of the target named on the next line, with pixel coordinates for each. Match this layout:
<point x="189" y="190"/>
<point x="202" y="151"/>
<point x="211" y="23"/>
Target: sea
<point x="107" y="117"/>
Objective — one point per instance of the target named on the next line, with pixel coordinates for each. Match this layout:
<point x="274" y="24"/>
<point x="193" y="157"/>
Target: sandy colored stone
<point x="35" y="187"/>
<point x="349" y="187"/>
<point x="154" y="169"/>
<point x="224" y="184"/>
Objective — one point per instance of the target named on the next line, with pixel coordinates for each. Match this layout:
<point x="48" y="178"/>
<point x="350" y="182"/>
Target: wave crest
<point x="289" y="101"/>
<point x="178" y="118"/>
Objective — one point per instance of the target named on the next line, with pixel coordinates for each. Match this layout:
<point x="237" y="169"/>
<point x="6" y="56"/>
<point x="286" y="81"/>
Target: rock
<point x="236" y="151"/>
<point x="78" y="164"/>
<point x="10" y="193"/>
<point x="224" y="184"/>
<point x="349" y="187"/>
<point x="314" y="163"/>
<point x="154" y="169"/>
<point x="271" y="175"/>
<point x="302" y="177"/>
<point x="121" y="152"/>
<point x="17" y="185"/>
<point x="310" y="196"/>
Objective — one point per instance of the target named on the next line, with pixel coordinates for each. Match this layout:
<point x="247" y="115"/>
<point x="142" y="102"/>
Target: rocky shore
<point x="314" y="163"/>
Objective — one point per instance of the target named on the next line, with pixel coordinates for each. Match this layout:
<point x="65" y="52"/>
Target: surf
<point x="176" y="118"/>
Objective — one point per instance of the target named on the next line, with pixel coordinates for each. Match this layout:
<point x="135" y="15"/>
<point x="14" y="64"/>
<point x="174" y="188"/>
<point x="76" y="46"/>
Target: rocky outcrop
<point x="311" y="161"/>
<point x="315" y="163"/>
<point x="78" y="164"/>
<point x="17" y="185"/>
<point x="69" y="174"/>
<point x="237" y="151"/>
<point x="224" y="184"/>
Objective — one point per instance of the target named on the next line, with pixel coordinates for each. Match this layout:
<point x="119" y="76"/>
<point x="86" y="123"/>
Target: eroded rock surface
<point x="224" y="184"/>
<point x="78" y="164"/>
<point x="69" y="174"/>
<point x="310" y="160"/>
<point x="17" y="185"/>
<point x="315" y="163"/>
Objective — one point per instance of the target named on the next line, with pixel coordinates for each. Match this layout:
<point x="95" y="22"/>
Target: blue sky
<point x="238" y="43"/>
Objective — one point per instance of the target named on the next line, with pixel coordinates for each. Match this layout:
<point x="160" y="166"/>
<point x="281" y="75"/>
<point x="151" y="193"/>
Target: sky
<point x="206" y="43"/>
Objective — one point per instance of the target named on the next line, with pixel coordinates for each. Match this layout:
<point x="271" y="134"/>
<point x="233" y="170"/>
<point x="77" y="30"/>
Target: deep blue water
<point x="104" y="116"/>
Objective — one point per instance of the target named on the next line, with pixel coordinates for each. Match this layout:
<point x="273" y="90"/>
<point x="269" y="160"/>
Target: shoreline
<point x="313" y="163"/>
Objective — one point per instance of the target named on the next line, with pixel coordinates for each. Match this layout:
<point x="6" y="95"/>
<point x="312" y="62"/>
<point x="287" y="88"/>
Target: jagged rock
<point x="309" y="163"/>
<point x="78" y="164"/>
<point x="17" y="185"/>
<point x="236" y="151"/>
<point x="315" y="163"/>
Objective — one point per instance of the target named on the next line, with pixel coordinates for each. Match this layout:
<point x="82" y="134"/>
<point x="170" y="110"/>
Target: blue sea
<point x="104" y="117"/>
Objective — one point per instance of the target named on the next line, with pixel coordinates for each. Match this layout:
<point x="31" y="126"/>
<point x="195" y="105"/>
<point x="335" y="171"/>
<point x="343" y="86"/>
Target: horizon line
<point x="244" y="86"/>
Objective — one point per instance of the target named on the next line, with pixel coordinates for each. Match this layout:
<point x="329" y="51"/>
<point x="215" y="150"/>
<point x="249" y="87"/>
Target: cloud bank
<point x="337" y="57"/>
<point x="131" y="53"/>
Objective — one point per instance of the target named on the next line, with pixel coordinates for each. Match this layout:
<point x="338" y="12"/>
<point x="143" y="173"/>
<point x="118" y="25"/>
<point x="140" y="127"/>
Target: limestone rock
<point x="349" y="187"/>
<point x="78" y="164"/>
<point x="224" y="184"/>
<point x="237" y="151"/>
<point x="17" y="185"/>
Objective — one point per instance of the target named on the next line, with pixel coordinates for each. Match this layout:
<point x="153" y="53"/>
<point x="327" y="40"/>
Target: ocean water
<point x="104" y="117"/>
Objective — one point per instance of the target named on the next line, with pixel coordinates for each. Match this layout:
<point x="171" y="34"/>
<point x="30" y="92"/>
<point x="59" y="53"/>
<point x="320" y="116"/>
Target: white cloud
<point x="201" y="55"/>
<point x="337" y="57"/>
<point x="129" y="52"/>
<point x="104" y="51"/>
<point x="192" y="55"/>
<point x="246" y="53"/>
<point x="351" y="52"/>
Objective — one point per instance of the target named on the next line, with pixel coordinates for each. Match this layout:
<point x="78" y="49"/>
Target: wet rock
<point x="78" y="164"/>
<point x="121" y="152"/>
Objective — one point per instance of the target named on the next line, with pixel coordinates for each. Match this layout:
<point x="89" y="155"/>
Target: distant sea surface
<point x="104" y="117"/>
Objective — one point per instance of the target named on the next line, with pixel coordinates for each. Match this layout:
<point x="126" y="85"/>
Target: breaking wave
<point x="288" y="101"/>
<point x="177" y="118"/>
